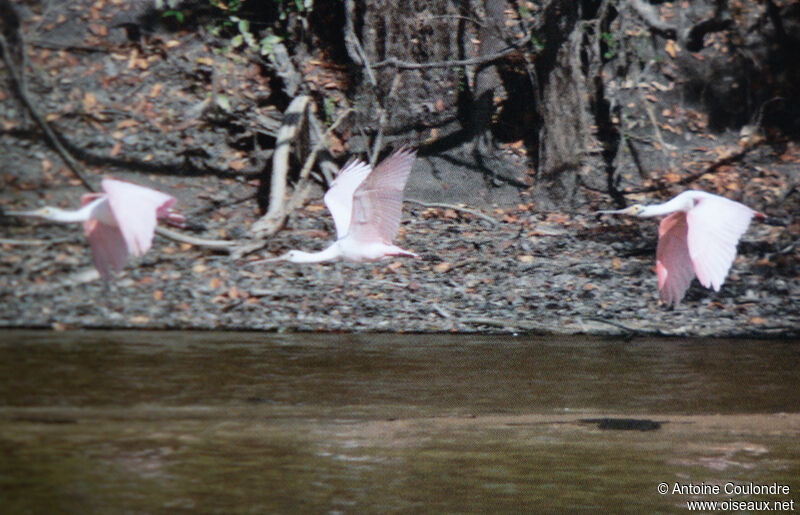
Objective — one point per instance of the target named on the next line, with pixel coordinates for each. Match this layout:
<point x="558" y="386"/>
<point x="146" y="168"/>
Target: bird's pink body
<point x="365" y="205"/>
<point x="698" y="238"/>
<point x="118" y="222"/>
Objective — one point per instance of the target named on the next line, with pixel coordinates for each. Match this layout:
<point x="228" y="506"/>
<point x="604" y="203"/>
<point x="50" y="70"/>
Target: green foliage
<point x="612" y="45"/>
<point x="244" y="36"/>
<point x="223" y="102"/>
<point x="267" y="42"/>
<point x="172" y="13"/>
<point x="301" y="6"/>
<point x="231" y="22"/>
<point x="536" y="43"/>
<point x="329" y="107"/>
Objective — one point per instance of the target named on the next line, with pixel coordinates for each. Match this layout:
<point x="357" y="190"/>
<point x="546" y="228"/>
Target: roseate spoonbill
<point x="698" y="238"/>
<point x="118" y="222"/>
<point x="365" y="205"/>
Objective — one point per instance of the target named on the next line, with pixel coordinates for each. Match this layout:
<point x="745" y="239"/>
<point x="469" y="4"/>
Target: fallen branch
<point x="629" y="330"/>
<point x="362" y="57"/>
<point x="515" y="325"/>
<point x="454" y="207"/>
<point x="714" y="166"/>
<point x="301" y="191"/>
<point x="293" y="120"/>
<point x="193" y="240"/>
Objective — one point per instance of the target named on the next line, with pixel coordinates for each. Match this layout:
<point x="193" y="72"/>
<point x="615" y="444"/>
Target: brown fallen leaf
<point x="236" y="293"/>
<point x="442" y="267"/>
<point x="89" y="101"/>
<point x="671" y="48"/>
<point x="156" y="90"/>
<point x="238" y="164"/>
<point x="394" y="265"/>
<point x="98" y="29"/>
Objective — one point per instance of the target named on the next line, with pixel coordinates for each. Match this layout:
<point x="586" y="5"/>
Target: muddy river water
<point x="110" y="422"/>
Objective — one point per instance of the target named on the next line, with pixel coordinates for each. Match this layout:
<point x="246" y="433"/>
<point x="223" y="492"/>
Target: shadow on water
<point x="242" y="422"/>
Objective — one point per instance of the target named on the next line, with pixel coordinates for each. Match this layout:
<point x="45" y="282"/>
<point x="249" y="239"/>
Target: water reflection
<point x="143" y="421"/>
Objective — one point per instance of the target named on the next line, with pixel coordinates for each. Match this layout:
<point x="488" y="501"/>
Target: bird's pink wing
<point x="378" y="202"/>
<point x="339" y="198"/>
<point x="136" y="210"/>
<point x="109" y="250"/>
<point x="673" y="264"/>
<point x="715" y="226"/>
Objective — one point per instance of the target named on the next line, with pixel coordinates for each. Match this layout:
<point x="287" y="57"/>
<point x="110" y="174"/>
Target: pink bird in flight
<point x="697" y="238"/>
<point x="365" y="205"/>
<point x="118" y="222"/>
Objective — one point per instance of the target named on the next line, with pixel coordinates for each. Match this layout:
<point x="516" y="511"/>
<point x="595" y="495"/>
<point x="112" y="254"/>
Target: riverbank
<point x="528" y="272"/>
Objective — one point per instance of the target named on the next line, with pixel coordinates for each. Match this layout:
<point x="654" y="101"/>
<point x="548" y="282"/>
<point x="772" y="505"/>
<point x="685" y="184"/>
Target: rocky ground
<point x="529" y="271"/>
<point x="143" y="117"/>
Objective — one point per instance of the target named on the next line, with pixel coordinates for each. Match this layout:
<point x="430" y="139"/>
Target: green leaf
<point x="268" y="42"/>
<point x="178" y="15"/>
<point x="223" y="102"/>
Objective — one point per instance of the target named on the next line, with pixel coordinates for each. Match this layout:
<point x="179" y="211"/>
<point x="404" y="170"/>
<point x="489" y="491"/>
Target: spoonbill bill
<point x="118" y="222"/>
<point x="365" y="205"/>
<point x="697" y="238"/>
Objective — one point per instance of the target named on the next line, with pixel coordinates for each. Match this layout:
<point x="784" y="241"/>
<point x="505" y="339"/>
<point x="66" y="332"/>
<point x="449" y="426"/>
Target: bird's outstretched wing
<point x="673" y="264"/>
<point x="715" y="226"/>
<point x="109" y="250"/>
<point x="136" y="210"/>
<point x="339" y="197"/>
<point x="377" y="203"/>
